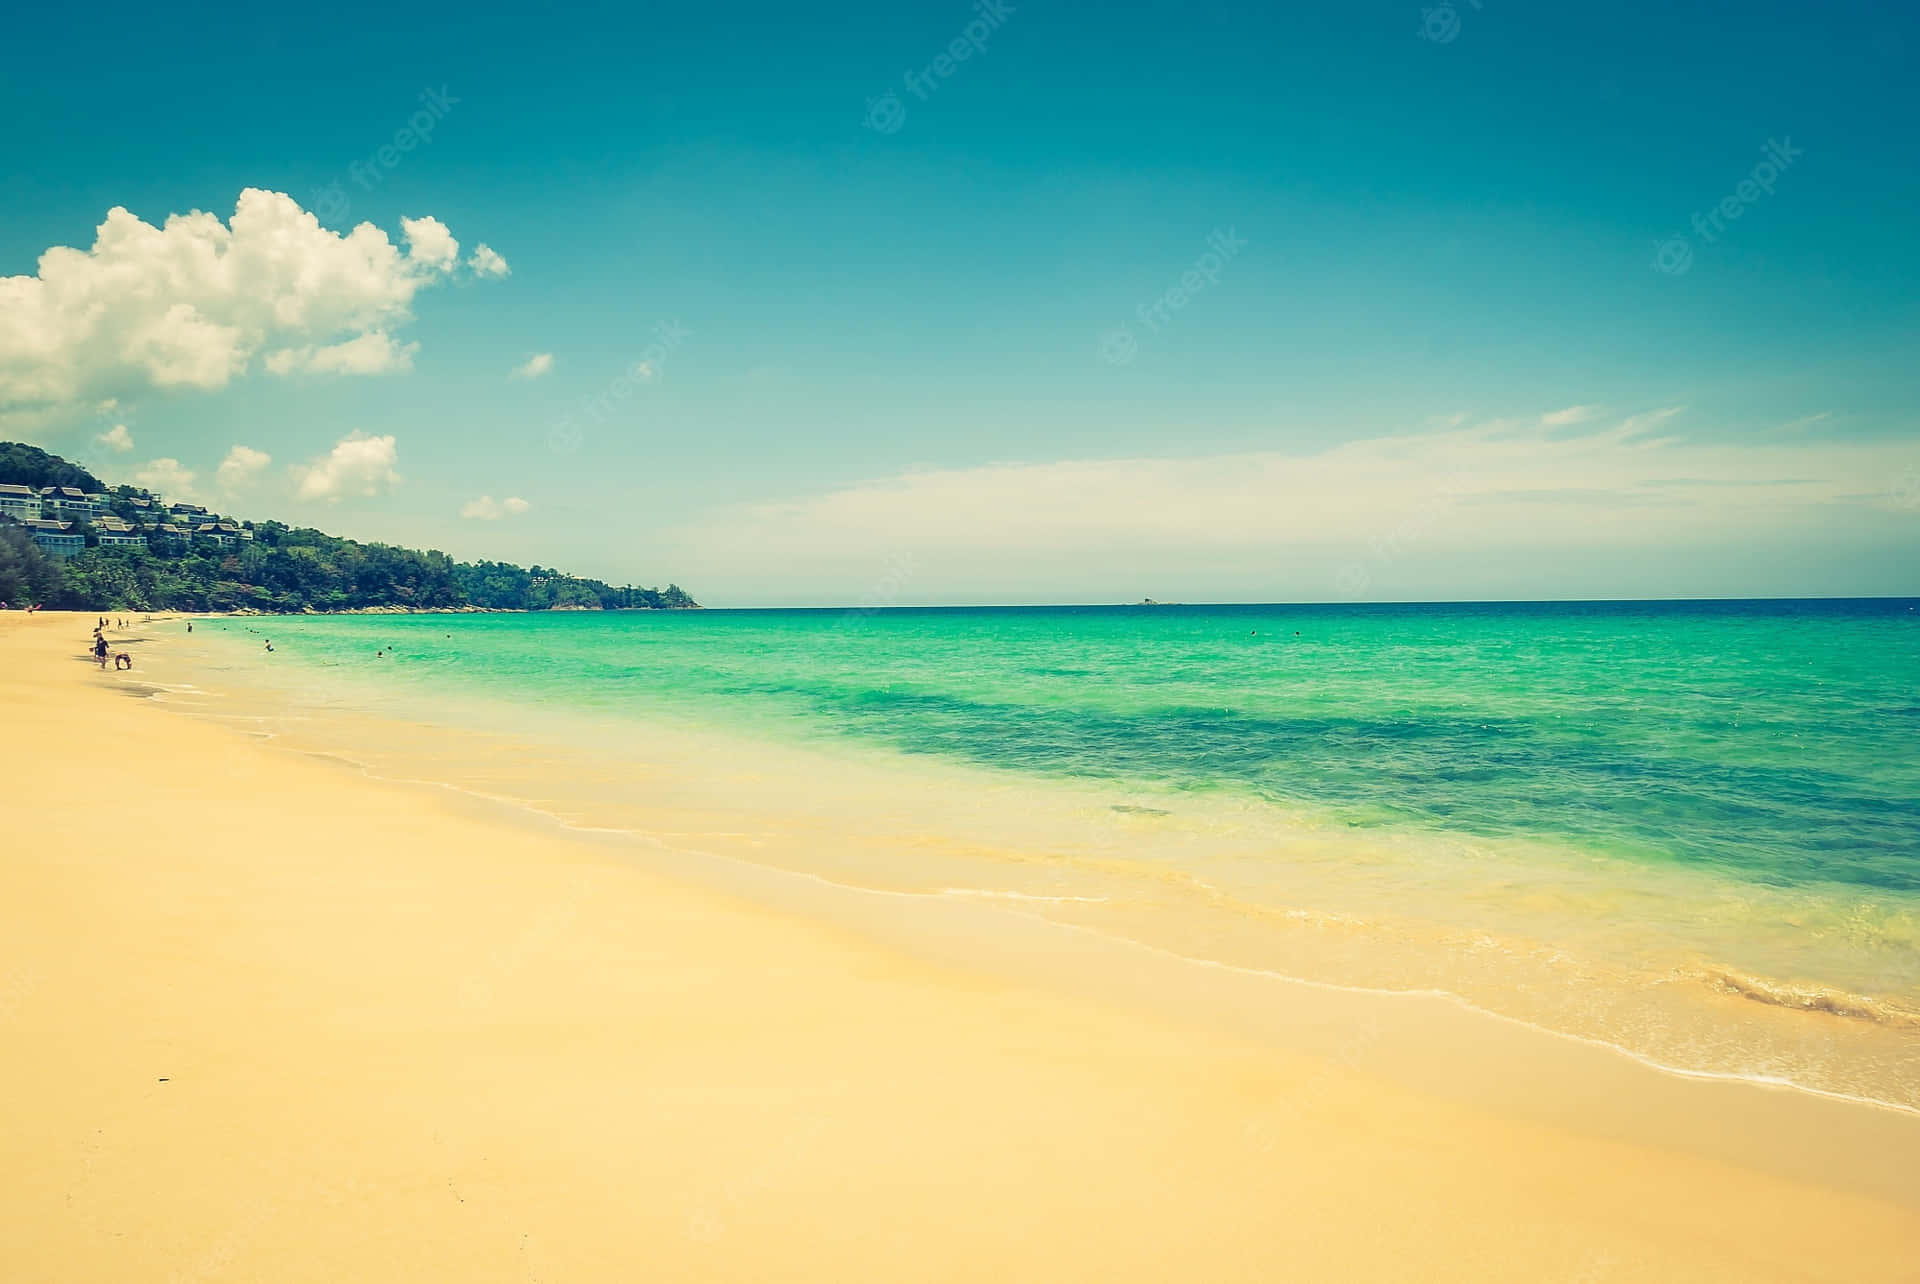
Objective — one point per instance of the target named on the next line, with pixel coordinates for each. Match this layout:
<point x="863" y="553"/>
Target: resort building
<point x="70" y="501"/>
<point x="225" y="534"/>
<point x="59" y="539"/>
<point x="114" y="532"/>
<point x="189" y="514"/>
<point x="168" y="536"/>
<point x="21" y="503"/>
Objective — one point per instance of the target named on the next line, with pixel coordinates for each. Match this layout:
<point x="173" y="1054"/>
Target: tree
<point x="27" y="575"/>
<point x="31" y="466"/>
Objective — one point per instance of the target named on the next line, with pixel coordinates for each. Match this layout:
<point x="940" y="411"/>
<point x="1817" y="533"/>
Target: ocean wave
<point x="1812" y="998"/>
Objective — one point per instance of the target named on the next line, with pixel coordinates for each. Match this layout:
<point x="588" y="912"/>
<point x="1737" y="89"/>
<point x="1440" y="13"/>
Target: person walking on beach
<point x="100" y="648"/>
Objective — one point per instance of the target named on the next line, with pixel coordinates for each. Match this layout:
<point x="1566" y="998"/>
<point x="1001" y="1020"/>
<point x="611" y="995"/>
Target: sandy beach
<point x="262" y="1017"/>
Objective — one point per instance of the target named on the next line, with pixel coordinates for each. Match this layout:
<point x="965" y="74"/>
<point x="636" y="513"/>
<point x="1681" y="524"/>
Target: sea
<point x="1686" y="830"/>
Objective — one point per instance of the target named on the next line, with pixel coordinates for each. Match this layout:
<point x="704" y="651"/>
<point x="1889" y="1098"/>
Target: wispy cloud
<point x="487" y="509"/>
<point x="1612" y="487"/>
<point x="1570" y="415"/>
<point x="1805" y="421"/>
<point x="533" y="367"/>
<point x="116" y="438"/>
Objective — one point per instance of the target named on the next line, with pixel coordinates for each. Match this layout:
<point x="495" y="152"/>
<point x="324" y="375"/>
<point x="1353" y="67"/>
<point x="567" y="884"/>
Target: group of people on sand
<point x="121" y="661"/>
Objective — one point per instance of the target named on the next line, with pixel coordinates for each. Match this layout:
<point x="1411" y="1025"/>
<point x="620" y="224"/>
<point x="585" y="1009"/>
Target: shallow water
<point x="1690" y="830"/>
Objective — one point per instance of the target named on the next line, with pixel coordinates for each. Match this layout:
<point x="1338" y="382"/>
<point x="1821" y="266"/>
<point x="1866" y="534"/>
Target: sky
<point x="937" y="302"/>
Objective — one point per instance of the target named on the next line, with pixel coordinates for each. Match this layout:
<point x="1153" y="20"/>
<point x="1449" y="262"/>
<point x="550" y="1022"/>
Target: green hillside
<point x="282" y="568"/>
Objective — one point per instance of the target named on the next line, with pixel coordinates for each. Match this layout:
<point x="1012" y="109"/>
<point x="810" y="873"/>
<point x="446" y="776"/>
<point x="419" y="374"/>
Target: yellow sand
<point x="264" y="1019"/>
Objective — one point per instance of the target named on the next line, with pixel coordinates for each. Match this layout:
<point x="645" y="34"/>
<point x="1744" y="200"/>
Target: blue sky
<point x="940" y="361"/>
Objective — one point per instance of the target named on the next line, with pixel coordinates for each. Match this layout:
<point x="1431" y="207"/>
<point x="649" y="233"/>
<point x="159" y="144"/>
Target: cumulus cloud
<point x="241" y="466"/>
<point x="357" y="465"/>
<point x="429" y="242"/>
<point x="534" y="366"/>
<point x="168" y="478"/>
<point x="486" y="509"/>
<point x="190" y="304"/>
<point x="486" y="263"/>
<point x="116" y="438"/>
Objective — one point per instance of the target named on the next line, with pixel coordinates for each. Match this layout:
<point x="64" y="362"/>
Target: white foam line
<point x="988" y="893"/>
<point x="1682" y="1072"/>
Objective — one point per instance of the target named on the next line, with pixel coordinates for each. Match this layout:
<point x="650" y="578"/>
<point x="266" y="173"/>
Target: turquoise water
<point x="1777" y="742"/>
<point x="1626" y="821"/>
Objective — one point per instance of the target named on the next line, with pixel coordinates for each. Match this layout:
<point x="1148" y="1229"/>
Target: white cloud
<point x="372" y="353"/>
<point x="357" y="465"/>
<point x="116" y="438"/>
<point x="1571" y="415"/>
<point x="191" y="303"/>
<point x="241" y="466"/>
<point x="167" y="478"/>
<point x="486" y="263"/>
<point x="1433" y="508"/>
<point x="429" y="242"/>
<point x="536" y="365"/>
<point x="1806" y="421"/>
<point x="486" y="509"/>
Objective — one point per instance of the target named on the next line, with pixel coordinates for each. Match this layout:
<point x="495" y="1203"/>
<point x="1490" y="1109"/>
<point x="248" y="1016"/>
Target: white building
<point x="21" y="503"/>
<point x="225" y="534"/>
<point x="114" y="532"/>
<point x="70" y="501"/>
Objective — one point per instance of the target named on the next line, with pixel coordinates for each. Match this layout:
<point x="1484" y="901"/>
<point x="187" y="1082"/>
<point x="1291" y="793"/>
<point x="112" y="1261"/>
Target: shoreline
<point x="1164" y="871"/>
<point x="398" y="1008"/>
